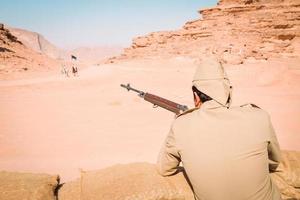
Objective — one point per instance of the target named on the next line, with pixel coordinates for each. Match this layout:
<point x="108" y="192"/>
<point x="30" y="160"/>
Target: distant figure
<point x="64" y="71"/>
<point x="74" y="70"/>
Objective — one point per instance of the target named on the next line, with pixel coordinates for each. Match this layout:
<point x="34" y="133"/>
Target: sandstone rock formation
<point x="234" y="29"/>
<point x="16" y="57"/>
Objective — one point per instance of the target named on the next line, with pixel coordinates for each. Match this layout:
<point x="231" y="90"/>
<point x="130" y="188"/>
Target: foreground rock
<point x="133" y="181"/>
<point x="234" y="29"/>
<point x="287" y="177"/>
<point x="26" y="186"/>
<point x="137" y="181"/>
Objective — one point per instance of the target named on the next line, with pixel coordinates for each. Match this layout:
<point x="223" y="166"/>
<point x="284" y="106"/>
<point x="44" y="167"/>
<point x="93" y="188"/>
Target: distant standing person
<point x="64" y="71"/>
<point x="74" y="70"/>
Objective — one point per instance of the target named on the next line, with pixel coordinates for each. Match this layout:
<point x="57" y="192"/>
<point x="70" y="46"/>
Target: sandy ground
<point x="60" y="125"/>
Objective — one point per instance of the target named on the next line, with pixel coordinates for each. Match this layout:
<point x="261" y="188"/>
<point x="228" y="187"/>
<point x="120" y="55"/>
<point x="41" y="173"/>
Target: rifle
<point x="158" y="101"/>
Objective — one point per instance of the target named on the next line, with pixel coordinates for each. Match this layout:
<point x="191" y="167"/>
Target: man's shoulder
<point x="248" y="109"/>
<point x="186" y="113"/>
<point x="252" y="109"/>
<point x="249" y="105"/>
<point x="185" y="118"/>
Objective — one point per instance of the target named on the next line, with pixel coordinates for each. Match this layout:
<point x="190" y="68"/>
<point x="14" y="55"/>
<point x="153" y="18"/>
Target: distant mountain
<point x="38" y="43"/>
<point x="96" y="54"/>
<point x="22" y="50"/>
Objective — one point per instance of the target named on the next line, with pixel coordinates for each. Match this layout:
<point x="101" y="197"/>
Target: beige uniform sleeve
<point x="273" y="150"/>
<point x="169" y="158"/>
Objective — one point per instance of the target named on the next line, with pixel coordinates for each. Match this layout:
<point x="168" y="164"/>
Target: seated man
<point x="227" y="152"/>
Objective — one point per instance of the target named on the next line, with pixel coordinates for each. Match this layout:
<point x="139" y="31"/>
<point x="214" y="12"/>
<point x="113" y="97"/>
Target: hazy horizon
<point x="71" y="24"/>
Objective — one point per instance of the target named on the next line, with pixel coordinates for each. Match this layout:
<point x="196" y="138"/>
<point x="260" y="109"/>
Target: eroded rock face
<point x="234" y="30"/>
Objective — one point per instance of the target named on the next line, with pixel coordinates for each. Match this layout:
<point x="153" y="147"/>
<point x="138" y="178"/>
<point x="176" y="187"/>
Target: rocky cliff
<point x="234" y="29"/>
<point x="16" y="57"/>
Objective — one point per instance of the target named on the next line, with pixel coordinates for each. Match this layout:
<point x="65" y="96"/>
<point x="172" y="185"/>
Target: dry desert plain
<point x="60" y="125"/>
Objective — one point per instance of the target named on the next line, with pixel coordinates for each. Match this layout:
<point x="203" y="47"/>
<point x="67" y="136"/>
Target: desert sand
<point x="60" y="125"/>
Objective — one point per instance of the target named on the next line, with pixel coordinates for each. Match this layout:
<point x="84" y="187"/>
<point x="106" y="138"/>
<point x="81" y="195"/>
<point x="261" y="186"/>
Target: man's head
<point x="211" y="80"/>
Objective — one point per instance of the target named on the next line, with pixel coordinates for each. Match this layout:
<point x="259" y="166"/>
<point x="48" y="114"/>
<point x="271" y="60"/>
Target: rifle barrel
<point x="128" y="87"/>
<point x="158" y="101"/>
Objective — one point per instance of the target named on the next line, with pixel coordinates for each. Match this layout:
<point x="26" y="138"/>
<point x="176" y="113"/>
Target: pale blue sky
<point x="73" y="23"/>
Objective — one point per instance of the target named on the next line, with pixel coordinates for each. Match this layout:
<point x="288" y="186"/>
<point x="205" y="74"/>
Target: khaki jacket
<point x="226" y="153"/>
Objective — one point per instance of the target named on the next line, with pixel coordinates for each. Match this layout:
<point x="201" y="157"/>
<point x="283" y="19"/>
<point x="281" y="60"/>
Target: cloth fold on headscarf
<point x="211" y="79"/>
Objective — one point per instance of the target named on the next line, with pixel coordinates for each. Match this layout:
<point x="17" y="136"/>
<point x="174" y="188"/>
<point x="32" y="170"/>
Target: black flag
<point x="73" y="57"/>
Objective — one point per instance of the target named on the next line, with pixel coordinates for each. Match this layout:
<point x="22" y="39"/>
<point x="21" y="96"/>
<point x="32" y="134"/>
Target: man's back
<point x="225" y="152"/>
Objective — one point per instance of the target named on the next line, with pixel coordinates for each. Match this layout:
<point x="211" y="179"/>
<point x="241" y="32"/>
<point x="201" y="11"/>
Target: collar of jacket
<point x="211" y="105"/>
